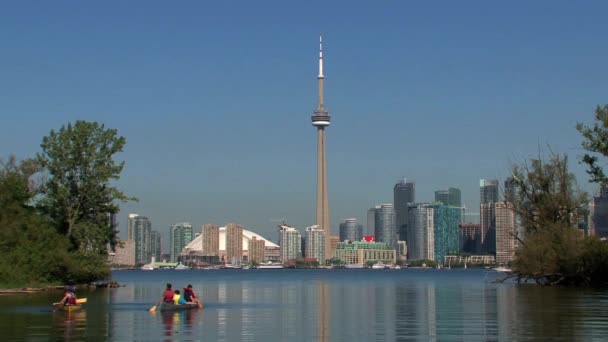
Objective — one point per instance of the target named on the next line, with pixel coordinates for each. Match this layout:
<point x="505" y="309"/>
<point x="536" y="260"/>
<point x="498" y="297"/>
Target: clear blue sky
<point x="215" y="98"/>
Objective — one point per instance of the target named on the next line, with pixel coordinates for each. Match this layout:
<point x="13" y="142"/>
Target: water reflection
<point x="70" y="325"/>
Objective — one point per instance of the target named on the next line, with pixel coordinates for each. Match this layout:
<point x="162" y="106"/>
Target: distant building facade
<point x="385" y="225"/>
<point x="124" y="254"/>
<point x="421" y="232"/>
<point x="139" y="230"/>
<point x="315" y="243"/>
<point x="404" y="193"/>
<point x="155" y="248"/>
<point x="234" y="243"/>
<point x="470" y="238"/>
<point x="359" y="253"/>
<point x="257" y="250"/>
<point x="451" y="197"/>
<point x="446" y="230"/>
<point x="351" y="230"/>
<point x="210" y="239"/>
<point x="505" y="232"/>
<point x="371" y="222"/>
<point x="598" y="225"/>
<point x="290" y="241"/>
<point x="181" y="235"/>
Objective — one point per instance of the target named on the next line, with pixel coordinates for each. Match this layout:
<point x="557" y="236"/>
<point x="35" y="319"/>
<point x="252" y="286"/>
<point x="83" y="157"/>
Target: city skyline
<point x="443" y="95"/>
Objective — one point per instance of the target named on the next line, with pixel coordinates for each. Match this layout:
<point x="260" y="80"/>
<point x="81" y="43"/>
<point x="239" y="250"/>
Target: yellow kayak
<point x="69" y="308"/>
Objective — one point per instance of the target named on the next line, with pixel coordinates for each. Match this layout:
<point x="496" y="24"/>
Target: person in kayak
<point x="190" y="296"/>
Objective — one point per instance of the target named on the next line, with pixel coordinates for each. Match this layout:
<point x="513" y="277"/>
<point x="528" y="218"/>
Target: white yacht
<point x="181" y="267"/>
<point x="378" y="265"/>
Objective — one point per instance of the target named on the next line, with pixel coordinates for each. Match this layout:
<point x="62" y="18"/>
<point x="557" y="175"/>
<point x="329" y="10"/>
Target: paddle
<point x="153" y="309"/>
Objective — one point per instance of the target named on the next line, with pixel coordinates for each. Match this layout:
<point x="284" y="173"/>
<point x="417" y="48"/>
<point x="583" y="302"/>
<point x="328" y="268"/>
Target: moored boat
<point x="176" y="307"/>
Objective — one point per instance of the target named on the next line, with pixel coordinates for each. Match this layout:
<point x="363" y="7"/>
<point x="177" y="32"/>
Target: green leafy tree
<point x="79" y="196"/>
<point x="32" y="251"/>
<point x="595" y="141"/>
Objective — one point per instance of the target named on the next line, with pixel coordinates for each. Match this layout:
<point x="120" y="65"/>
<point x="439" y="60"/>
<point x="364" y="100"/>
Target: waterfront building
<point x="257" y="250"/>
<point x="505" y="231"/>
<point x="598" y="225"/>
<point x="401" y="250"/>
<point x="488" y="194"/>
<point x="139" y="230"/>
<point x="155" y="242"/>
<point x="385" y="225"/>
<point x="180" y="235"/>
<point x="351" y="230"/>
<point x="421" y="231"/>
<point x="234" y="243"/>
<point x="404" y="193"/>
<point x="488" y="191"/>
<point x="446" y="231"/>
<point x="450" y="197"/>
<point x="358" y="253"/>
<point x="290" y="241"/>
<point x="320" y="120"/>
<point x="200" y="250"/>
<point x="334" y="239"/>
<point x="470" y="238"/>
<point x="371" y="222"/>
<point x="210" y="239"/>
<point x="315" y="243"/>
<point x="124" y="254"/>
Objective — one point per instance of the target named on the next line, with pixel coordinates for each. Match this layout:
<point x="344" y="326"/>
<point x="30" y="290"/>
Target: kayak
<point x="66" y="308"/>
<point x="176" y="307"/>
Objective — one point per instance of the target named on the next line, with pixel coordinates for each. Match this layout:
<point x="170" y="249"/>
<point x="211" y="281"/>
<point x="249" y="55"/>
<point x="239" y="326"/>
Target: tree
<point x="79" y="196"/>
<point x="32" y="251"/>
<point x="595" y="141"/>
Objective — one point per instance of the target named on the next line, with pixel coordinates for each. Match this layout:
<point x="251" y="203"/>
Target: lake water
<point x="316" y="305"/>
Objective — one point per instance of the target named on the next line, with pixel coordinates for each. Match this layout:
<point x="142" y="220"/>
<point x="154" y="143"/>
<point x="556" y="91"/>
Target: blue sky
<point x="215" y="98"/>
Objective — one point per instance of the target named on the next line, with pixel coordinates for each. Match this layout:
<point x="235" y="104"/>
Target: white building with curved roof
<point x="195" y="247"/>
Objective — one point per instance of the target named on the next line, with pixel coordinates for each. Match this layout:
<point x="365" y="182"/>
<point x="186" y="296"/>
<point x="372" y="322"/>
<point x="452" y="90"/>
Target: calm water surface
<point x="316" y="305"/>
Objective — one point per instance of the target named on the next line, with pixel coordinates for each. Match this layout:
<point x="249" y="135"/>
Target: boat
<point x="66" y="308"/>
<point x="378" y="266"/>
<point x="270" y="265"/>
<point x="353" y="266"/>
<point x="397" y="267"/>
<point x="176" y="307"/>
<point x="245" y="267"/>
<point x="502" y="269"/>
<point x="181" y="267"/>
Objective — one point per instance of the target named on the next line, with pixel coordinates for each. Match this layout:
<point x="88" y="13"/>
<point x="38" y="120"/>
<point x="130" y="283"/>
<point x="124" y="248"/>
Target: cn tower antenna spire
<point x="320" y="55"/>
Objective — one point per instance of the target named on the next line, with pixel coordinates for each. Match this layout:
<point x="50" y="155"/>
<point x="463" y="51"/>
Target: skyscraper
<point x="321" y="119"/>
<point x="139" y="229"/>
<point x="450" y="197"/>
<point x="155" y="249"/>
<point x="181" y="235"/>
<point x="421" y="232"/>
<point x="488" y="194"/>
<point x="290" y="240"/>
<point x="234" y="243"/>
<point x="446" y="230"/>
<point x="599" y="215"/>
<point x="351" y="230"/>
<point x="404" y="192"/>
<point x="505" y="231"/>
<point x="210" y="240"/>
<point x="488" y="191"/>
<point x="385" y="225"/>
<point x="371" y="221"/>
<point x="256" y="250"/>
<point x="315" y="243"/>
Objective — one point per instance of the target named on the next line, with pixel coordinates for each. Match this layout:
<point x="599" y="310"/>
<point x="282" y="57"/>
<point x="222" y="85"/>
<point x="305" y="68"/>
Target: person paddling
<point x="168" y="294"/>
<point x="69" y="297"/>
<point x="190" y="296"/>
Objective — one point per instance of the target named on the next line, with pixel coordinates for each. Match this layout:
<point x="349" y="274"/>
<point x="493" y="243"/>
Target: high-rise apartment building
<point x="470" y="238"/>
<point x="290" y="240"/>
<point x="315" y="243"/>
<point x="598" y="225"/>
<point x="234" y="243"/>
<point x="210" y="240"/>
<point x="421" y="232"/>
<point x="155" y="245"/>
<point x="181" y="235"/>
<point x="404" y="193"/>
<point x="450" y="197"/>
<point x="446" y="230"/>
<point x="257" y="250"/>
<point x="488" y="191"/>
<point x="351" y="230"/>
<point x="488" y="194"/>
<point x="385" y="225"/>
<point x="505" y="231"/>
<point x="371" y="221"/>
<point x="139" y="230"/>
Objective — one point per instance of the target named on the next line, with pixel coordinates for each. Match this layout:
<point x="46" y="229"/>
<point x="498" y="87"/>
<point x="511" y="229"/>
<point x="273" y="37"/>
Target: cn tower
<point x="320" y="119"/>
